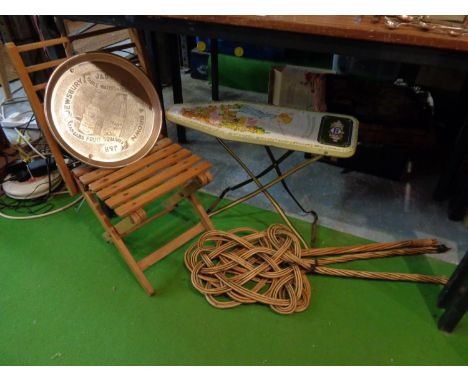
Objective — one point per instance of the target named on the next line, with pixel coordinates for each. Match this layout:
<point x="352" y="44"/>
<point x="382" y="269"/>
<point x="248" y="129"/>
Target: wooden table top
<point x="352" y="27"/>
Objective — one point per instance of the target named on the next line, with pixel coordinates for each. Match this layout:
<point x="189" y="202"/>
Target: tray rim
<point x="132" y="69"/>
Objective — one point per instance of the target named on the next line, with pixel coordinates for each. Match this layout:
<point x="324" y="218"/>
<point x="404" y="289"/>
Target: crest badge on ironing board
<point x="335" y="131"/>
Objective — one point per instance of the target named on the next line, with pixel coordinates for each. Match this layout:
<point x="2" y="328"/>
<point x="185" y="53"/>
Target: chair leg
<point x="137" y="271"/>
<point x="119" y="243"/>
<point x="205" y="219"/>
<point x="138" y="268"/>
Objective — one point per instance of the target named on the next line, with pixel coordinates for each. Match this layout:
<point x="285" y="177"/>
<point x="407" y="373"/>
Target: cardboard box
<point x="299" y="87"/>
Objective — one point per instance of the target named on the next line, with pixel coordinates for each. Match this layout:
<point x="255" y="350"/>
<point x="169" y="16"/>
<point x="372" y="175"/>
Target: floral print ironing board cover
<point x="293" y="129"/>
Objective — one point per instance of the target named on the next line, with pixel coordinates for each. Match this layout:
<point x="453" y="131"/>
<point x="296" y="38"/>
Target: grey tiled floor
<point x="361" y="204"/>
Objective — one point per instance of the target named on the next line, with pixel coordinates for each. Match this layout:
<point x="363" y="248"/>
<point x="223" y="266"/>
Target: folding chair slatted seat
<point x="128" y="190"/>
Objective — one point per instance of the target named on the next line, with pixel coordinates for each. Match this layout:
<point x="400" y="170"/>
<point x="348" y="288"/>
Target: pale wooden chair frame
<point x="168" y="168"/>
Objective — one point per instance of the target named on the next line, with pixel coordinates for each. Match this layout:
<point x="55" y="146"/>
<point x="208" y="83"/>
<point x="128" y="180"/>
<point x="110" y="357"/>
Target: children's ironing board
<point x="319" y="134"/>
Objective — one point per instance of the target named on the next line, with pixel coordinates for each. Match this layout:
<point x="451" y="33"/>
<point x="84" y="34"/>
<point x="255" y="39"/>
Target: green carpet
<point x="66" y="298"/>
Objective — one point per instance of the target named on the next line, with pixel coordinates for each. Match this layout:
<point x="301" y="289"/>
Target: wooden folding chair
<point x="127" y="191"/>
<point x="168" y="170"/>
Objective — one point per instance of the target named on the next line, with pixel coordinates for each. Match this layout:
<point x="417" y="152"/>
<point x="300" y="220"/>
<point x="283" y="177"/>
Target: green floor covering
<point x="66" y="298"/>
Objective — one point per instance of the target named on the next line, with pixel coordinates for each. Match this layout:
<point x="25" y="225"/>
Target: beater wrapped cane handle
<point x="245" y="266"/>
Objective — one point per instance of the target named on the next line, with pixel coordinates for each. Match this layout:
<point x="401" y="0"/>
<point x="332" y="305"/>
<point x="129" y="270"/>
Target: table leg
<point x="458" y="204"/>
<point x="176" y="80"/>
<point x="151" y="43"/>
<point x="214" y="70"/>
<point x="454" y="297"/>
<point x="447" y="178"/>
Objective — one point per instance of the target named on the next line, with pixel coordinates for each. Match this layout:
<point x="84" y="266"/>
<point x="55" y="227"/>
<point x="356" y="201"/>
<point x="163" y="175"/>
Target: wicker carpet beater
<point x="245" y="266"/>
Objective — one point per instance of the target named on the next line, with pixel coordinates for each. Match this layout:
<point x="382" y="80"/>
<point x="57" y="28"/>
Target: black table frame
<point x="449" y="183"/>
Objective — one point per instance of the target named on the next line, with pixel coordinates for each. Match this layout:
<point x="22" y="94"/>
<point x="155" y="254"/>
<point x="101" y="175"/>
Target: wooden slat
<point x="131" y="180"/>
<point x="170" y="247"/>
<point x="100" y="173"/>
<point x="152" y="182"/>
<point x="94" y="175"/>
<point x="141" y="224"/>
<point x="160" y="144"/>
<point x="36" y="105"/>
<point x="81" y="170"/>
<point x="155" y="193"/>
<point x="44" y="65"/>
<point x="40" y="87"/>
<point x="108" y="182"/>
<point x="43" y="44"/>
<point x="162" y="149"/>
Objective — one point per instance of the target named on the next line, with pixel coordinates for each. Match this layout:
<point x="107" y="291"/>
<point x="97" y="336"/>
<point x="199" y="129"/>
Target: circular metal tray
<point x="103" y="110"/>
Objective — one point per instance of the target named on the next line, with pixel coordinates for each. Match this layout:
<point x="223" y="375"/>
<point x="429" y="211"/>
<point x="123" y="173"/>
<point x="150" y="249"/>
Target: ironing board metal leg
<point x="263" y="188"/>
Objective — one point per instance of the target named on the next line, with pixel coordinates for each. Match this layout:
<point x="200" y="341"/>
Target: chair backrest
<point x="33" y="90"/>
